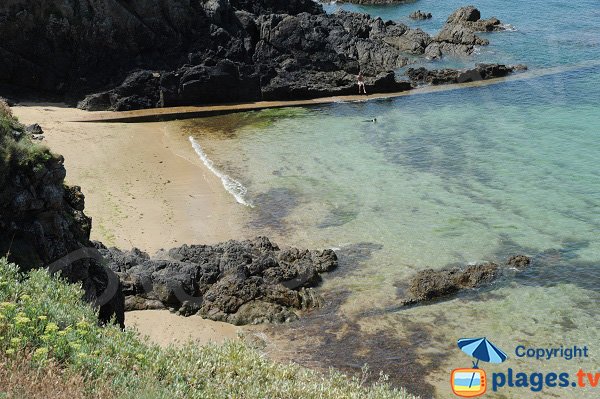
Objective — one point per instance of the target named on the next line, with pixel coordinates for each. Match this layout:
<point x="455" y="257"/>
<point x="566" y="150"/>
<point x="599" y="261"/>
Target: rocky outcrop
<point x="428" y="285"/>
<point x="446" y="76"/>
<point x="42" y="219"/>
<point x="458" y="38"/>
<point x="368" y="2"/>
<point x="143" y="54"/>
<point x="420" y="15"/>
<point x="239" y="282"/>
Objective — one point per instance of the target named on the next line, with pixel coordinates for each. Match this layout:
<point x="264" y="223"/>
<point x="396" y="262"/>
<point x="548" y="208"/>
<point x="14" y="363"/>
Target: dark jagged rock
<point x="457" y="37"/>
<point x="42" y="220"/>
<point x="34" y="129"/>
<point x="144" y="54"/>
<point x="369" y="2"/>
<point x="428" y="285"/>
<point x="447" y="76"/>
<point x="239" y="282"/>
<point x="420" y="15"/>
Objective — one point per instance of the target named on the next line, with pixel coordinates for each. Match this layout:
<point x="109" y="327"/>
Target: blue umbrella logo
<point x="482" y="350"/>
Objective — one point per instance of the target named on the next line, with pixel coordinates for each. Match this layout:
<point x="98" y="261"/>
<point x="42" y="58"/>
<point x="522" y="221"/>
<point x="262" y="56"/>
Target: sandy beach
<point x="145" y="186"/>
<point x="165" y="328"/>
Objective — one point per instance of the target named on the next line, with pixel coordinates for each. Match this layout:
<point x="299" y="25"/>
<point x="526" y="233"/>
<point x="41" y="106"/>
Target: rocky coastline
<point x="107" y="55"/>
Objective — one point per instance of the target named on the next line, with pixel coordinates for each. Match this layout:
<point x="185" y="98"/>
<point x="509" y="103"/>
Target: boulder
<point x="420" y="15"/>
<point x="239" y="282"/>
<point x="429" y="284"/>
<point x="457" y="37"/>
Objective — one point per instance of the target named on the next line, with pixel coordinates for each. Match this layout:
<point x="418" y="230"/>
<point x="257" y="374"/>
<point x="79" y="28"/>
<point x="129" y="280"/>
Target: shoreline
<point x="145" y="187"/>
<point x="188" y="112"/>
<point x="144" y="184"/>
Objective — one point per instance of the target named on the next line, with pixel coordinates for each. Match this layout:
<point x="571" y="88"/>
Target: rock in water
<point x="239" y="282"/>
<point x="420" y="15"/>
<point x="428" y="285"/>
<point x="457" y="37"/>
<point x="447" y="76"/>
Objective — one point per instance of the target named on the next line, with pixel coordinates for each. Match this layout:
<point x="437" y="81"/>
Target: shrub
<point x="44" y="320"/>
<point x="18" y="152"/>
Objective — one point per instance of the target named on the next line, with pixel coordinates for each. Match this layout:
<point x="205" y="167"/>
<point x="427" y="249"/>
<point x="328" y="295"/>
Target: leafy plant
<point x="44" y="320"/>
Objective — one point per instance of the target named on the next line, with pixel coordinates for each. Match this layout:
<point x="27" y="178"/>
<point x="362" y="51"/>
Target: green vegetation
<point x="47" y="332"/>
<point x="17" y="151"/>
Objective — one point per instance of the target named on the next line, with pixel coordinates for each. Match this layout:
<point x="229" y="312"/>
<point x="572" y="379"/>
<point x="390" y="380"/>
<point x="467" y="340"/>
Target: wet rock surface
<point x="428" y="285"/>
<point x="446" y="76"/>
<point x="457" y="37"/>
<point x="239" y="282"/>
<point x="420" y="15"/>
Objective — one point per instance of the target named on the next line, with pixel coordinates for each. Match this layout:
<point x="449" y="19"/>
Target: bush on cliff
<point x="16" y="147"/>
<point x="48" y="334"/>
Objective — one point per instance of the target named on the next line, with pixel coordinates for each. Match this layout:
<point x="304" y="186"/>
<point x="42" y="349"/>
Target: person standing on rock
<point x="361" y="83"/>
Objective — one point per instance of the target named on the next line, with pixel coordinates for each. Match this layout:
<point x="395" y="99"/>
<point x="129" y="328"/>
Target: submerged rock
<point x="428" y="285"/>
<point x="239" y="282"/>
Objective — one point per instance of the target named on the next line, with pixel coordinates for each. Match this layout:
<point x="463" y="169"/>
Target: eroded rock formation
<point x="142" y="54"/>
<point x="239" y="282"/>
<point x="429" y="284"/>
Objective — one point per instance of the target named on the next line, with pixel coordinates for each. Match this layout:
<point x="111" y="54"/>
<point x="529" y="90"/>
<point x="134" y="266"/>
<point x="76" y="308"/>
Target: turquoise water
<point x="442" y="178"/>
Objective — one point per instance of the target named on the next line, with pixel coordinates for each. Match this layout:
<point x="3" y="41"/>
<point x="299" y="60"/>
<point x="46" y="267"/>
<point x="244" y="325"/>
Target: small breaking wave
<point x="509" y="28"/>
<point x="233" y="186"/>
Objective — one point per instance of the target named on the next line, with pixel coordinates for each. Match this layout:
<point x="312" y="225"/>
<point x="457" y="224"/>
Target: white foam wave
<point x="509" y="28"/>
<point x="232" y="186"/>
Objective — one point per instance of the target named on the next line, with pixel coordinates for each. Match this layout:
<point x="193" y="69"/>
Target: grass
<point x="47" y="334"/>
<point x="21" y="152"/>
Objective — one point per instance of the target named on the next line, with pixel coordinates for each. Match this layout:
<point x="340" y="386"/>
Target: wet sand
<point x="145" y="186"/>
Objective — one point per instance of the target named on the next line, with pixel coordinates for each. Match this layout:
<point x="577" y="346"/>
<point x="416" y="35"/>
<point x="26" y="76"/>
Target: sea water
<point x="446" y="178"/>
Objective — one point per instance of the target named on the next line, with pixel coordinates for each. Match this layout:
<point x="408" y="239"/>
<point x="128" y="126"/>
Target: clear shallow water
<point x="442" y="178"/>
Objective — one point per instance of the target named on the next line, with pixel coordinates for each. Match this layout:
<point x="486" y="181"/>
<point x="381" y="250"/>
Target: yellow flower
<point x="19" y="320"/>
<point x="140" y="356"/>
<point x="42" y="318"/>
<point x="40" y="352"/>
<point x="82" y="325"/>
<point x="7" y="305"/>
<point x="75" y="345"/>
<point x="26" y="297"/>
<point x="10" y="351"/>
<point x="15" y="341"/>
<point x="51" y="328"/>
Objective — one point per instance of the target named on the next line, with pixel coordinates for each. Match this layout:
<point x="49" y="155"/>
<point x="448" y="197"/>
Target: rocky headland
<point x="142" y="54"/>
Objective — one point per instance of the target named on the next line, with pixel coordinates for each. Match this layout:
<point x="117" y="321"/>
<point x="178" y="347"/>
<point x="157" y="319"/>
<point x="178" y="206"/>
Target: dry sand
<point x="144" y="184"/>
<point x="164" y="328"/>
